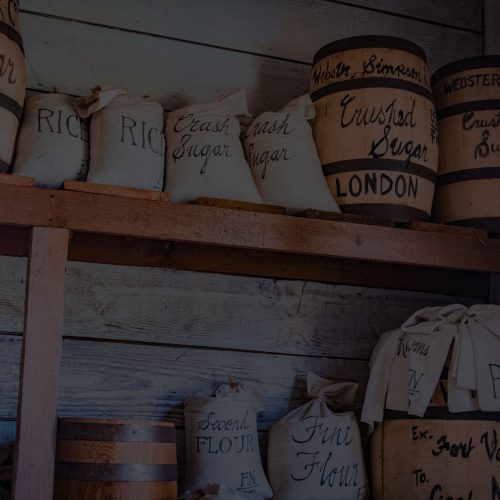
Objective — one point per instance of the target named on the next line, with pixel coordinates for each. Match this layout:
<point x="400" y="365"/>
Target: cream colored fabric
<point x="285" y="165"/>
<point x="406" y="363"/>
<point x="53" y="143"/>
<point x="204" y="153"/>
<point x="127" y="144"/>
<point x="222" y="442"/>
<point x="315" y="453"/>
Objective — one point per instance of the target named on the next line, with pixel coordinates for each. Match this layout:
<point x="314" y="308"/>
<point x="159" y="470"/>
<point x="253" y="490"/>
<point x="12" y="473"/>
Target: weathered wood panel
<point x="291" y="29"/>
<point x="460" y="13"/>
<point x="176" y="73"/>
<point x="121" y="380"/>
<point x="211" y="310"/>
<point x="491" y="24"/>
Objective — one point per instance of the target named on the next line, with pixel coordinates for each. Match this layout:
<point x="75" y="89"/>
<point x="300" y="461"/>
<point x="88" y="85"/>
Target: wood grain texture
<point x="123" y="380"/>
<point x="90" y="187"/>
<point x="460" y="13"/>
<point x="18" y="180"/>
<point x="185" y="72"/>
<point x="227" y="312"/>
<point x="155" y="253"/>
<point x="239" y="205"/>
<point x="491" y="23"/>
<point x="263" y="27"/>
<point x="39" y="368"/>
<point x="246" y="230"/>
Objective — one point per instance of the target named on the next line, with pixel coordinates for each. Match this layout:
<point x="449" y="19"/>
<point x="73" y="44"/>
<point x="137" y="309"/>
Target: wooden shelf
<point x="124" y="230"/>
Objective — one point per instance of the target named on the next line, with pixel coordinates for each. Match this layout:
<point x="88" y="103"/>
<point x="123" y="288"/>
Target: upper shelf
<point x="242" y="242"/>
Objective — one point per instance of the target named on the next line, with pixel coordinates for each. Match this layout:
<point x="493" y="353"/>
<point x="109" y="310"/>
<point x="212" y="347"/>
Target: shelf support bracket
<point x="34" y="458"/>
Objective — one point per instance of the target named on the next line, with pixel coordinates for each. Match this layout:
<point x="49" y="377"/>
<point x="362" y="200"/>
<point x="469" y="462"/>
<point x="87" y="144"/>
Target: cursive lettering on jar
<point x="398" y="147"/>
<point x="469" y="122"/>
<point x="376" y="66"/>
<point x="485" y="148"/>
<point x="324" y="72"/>
<point x="381" y="115"/>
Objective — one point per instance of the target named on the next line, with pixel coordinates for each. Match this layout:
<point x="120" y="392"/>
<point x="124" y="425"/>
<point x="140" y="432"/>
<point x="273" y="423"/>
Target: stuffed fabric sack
<point x="315" y="453"/>
<point x="222" y="442"/>
<point x="53" y="143"/>
<point x="127" y="144"/>
<point x="406" y="364"/>
<point x="205" y="157"/>
<point x="284" y="161"/>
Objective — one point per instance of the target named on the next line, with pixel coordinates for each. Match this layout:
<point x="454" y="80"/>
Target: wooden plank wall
<point x="138" y="341"/>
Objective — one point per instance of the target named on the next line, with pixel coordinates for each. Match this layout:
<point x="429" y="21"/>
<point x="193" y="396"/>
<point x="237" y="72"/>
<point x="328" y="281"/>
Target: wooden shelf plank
<point x="40" y="361"/>
<point x="120" y="250"/>
<point x="116" y="216"/>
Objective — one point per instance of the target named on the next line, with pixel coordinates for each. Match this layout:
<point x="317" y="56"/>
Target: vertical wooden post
<point x="40" y="362"/>
<point x="491" y="23"/>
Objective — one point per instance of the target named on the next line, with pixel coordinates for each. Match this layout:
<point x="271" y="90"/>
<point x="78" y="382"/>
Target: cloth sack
<point x="284" y="161"/>
<point x="53" y="143"/>
<point x="204" y="152"/>
<point x="12" y="81"/>
<point x="406" y="363"/>
<point x="127" y="144"/>
<point x="315" y="453"/>
<point x="222" y="442"/>
<point x="216" y="492"/>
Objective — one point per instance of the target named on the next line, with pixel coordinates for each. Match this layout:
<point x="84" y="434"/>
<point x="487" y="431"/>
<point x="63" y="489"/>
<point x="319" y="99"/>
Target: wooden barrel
<point x="12" y="80"/>
<point x="115" y="460"/>
<point x="467" y="96"/>
<point x="441" y="456"/>
<point x="375" y="126"/>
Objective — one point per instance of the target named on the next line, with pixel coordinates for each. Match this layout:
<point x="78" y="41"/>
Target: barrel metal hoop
<point x="13" y="34"/>
<point x="11" y="105"/>
<point x="368" y="164"/>
<point x="492" y="225"/>
<point x="370" y="42"/>
<point x="466" y="107"/>
<point x="478" y="62"/>
<point x="367" y="83"/>
<point x="76" y="431"/>
<point x="390" y="211"/>
<point x="143" y="473"/>
<point x="470" y="174"/>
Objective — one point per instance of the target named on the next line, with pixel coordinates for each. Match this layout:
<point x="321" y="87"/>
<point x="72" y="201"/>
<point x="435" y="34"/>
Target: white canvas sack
<point x="222" y="442"/>
<point x="53" y="143"/>
<point x="423" y="346"/>
<point x="204" y="152"/>
<point x="315" y="453"/>
<point x="417" y="359"/>
<point x="284" y="161"/>
<point x="127" y="144"/>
